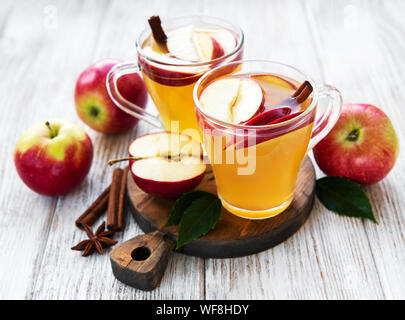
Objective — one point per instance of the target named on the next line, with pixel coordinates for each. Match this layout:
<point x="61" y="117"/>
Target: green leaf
<point x="344" y="197"/>
<point x="182" y="203"/>
<point x="199" y="218"/>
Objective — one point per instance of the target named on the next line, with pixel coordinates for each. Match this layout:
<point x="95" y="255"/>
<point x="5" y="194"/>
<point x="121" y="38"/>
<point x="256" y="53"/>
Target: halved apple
<point x="234" y="100"/>
<point x="167" y="178"/>
<point x="164" y="144"/>
<point x="167" y="164"/>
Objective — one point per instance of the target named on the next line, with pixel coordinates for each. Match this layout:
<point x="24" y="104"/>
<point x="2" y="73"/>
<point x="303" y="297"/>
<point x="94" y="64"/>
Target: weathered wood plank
<point x="323" y="260"/>
<point x="25" y="217"/>
<point x="92" y="277"/>
<point x="364" y="53"/>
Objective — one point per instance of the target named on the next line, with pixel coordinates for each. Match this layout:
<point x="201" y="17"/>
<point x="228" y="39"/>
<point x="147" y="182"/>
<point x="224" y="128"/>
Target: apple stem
<point x="53" y="133"/>
<point x="114" y="161"/>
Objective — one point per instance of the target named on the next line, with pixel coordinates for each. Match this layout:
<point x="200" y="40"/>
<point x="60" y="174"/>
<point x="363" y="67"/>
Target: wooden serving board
<point x="140" y="262"/>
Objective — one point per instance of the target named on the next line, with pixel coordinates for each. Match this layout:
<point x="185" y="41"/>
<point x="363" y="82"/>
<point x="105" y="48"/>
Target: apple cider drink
<point x="257" y="125"/>
<point x="255" y="99"/>
<point x="191" y="47"/>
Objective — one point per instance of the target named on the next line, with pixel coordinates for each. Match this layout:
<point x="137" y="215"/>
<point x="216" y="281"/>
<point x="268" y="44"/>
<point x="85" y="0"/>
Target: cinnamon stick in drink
<point x="158" y="33"/>
<point x="298" y="97"/>
<point x="303" y="92"/>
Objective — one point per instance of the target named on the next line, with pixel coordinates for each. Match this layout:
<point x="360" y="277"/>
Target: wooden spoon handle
<point x="141" y="261"/>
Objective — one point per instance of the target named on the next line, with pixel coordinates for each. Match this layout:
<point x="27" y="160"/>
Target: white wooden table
<point x="356" y="45"/>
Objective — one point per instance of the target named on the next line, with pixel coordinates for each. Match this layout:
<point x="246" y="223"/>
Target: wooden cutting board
<point x="232" y="236"/>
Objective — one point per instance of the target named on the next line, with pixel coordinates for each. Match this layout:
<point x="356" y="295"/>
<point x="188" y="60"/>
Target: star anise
<point x="97" y="241"/>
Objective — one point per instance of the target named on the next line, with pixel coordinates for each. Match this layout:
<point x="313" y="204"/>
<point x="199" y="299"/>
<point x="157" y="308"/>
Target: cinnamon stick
<point x="113" y="200"/>
<point x="157" y="31"/>
<point x="121" y="203"/>
<point x="95" y="210"/>
<point x="303" y="92"/>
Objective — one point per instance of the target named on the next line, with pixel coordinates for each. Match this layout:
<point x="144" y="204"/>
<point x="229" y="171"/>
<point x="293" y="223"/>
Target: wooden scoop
<point x="141" y="261"/>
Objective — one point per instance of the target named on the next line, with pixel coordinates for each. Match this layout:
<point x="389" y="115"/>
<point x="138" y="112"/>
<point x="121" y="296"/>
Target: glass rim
<point x="236" y="29"/>
<point x="247" y="127"/>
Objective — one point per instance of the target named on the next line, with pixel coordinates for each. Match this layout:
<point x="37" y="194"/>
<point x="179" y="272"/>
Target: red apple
<point x="165" y="164"/>
<point x="52" y="158"/>
<point x="93" y="104"/>
<point x="362" y="146"/>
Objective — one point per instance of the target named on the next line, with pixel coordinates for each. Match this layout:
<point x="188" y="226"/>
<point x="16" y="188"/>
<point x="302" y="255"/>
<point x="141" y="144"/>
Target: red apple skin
<point x="93" y="104"/>
<point x="167" y="77"/>
<point x="367" y="158"/>
<point x="268" y="117"/>
<point x="217" y="50"/>
<point x="167" y="189"/>
<point x="53" y="166"/>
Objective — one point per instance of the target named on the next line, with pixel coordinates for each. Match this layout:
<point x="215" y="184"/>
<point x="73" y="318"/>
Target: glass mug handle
<point x="115" y="73"/>
<point x="325" y="124"/>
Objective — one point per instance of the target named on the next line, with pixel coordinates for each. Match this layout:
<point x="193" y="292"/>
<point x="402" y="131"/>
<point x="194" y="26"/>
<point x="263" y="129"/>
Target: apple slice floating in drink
<point x="271" y="134"/>
<point x="232" y="100"/>
<point x="273" y="116"/>
<point x="249" y="102"/>
<point x="165" y="164"/>
<point x="190" y="45"/>
<point x="226" y="40"/>
<point x="286" y="118"/>
<point x="207" y="47"/>
<point x="181" y="45"/>
<point x="219" y="97"/>
<point x="268" y="117"/>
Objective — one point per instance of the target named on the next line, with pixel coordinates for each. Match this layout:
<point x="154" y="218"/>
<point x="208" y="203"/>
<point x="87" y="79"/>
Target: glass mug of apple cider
<point x="257" y="126"/>
<point x="172" y="56"/>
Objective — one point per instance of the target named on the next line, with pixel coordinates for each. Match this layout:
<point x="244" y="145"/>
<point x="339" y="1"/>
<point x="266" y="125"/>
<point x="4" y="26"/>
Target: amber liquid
<point x="269" y="189"/>
<point x="174" y="103"/>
